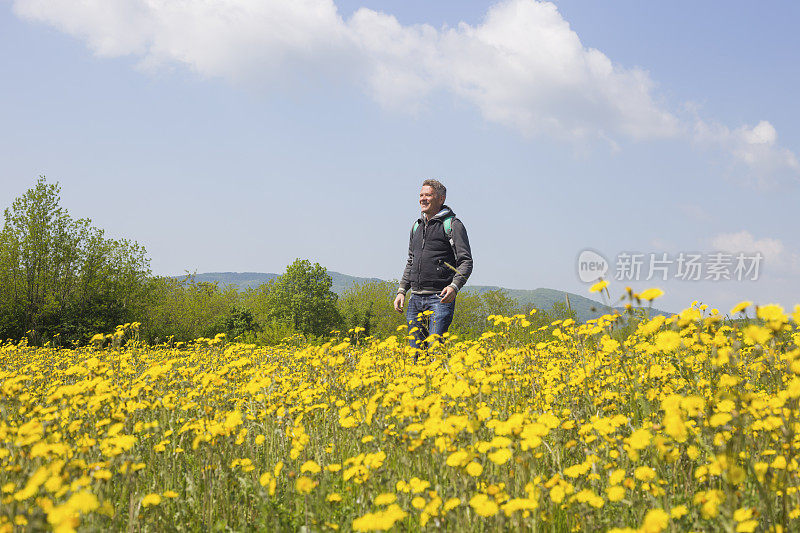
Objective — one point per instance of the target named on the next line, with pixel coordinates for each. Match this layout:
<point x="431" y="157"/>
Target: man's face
<point x="429" y="201"/>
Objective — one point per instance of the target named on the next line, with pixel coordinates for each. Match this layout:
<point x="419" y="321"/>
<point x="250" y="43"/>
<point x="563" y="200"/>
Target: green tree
<point x="369" y="305"/>
<point x="256" y="299"/>
<point x="472" y="308"/>
<point x="238" y="322"/>
<point x="59" y="275"/>
<point x="184" y="310"/>
<point x="302" y="298"/>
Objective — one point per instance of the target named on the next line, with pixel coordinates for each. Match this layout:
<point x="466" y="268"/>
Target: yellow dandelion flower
<point x="644" y="473"/>
<point x="655" y="521"/>
<point x="304" y="485"/>
<point x="310" y="467"/>
<point x="651" y="294"/>
<point x="615" y="493"/>
<point x="557" y="494"/>
<point x="474" y="469"/>
<point x="741" y="306"/>
<point x="500" y="457"/>
<point x="385" y="499"/>
<point x="678" y="511"/>
<point x="483" y="505"/>
<point x="151" y="499"/>
<point x="458" y="458"/>
<point x="451" y="504"/>
<point x="599" y="286"/>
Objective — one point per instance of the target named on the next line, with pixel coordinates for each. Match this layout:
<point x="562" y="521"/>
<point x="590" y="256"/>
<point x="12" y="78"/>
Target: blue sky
<point x="242" y="135"/>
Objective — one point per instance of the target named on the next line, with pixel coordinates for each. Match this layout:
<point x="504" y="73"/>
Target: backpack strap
<point x="447" y="222"/>
<point x="448" y="230"/>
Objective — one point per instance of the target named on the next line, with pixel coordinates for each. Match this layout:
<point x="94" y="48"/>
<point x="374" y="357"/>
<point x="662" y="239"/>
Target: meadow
<point x="688" y="423"/>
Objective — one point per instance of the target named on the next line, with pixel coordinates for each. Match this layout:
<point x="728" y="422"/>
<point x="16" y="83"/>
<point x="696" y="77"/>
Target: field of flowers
<point x="689" y="423"/>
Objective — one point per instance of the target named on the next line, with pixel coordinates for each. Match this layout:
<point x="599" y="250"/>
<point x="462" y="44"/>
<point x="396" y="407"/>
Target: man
<point x="439" y="263"/>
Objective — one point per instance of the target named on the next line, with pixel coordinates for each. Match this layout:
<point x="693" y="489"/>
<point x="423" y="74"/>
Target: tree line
<point x="62" y="281"/>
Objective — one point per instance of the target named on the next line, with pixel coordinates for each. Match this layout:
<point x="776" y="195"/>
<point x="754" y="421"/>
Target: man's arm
<point x="463" y="255"/>
<point x="405" y="281"/>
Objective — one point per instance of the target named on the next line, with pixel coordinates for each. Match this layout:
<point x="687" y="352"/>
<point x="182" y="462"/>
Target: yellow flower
<point x="748" y="526"/>
<point x="458" y="458"/>
<point x="644" y="473"/>
<point x="311" y="467"/>
<point x="793" y="388"/>
<point x="773" y="315"/>
<point x="741" y="306"/>
<point x="719" y="419"/>
<point x="678" y="511"/>
<point x="483" y="505"/>
<point x="451" y="504"/>
<point x="151" y="499"/>
<point x="418" y="502"/>
<point x="102" y="474"/>
<point x="779" y="462"/>
<point x="304" y="485"/>
<point x="557" y="494"/>
<point x="599" y="286"/>
<point x="500" y="456"/>
<point x="385" y="498"/>
<point x="577" y="470"/>
<point x="86" y="502"/>
<point x="474" y="469"/>
<point x="616" y="477"/>
<point x="640" y="439"/>
<point x="334" y="497"/>
<point x="667" y="341"/>
<point x="675" y="426"/>
<point x="655" y="521"/>
<point x="615" y="493"/>
<point x="756" y="334"/>
<point x="519" y="504"/>
<point x="170" y="494"/>
<point x="651" y="294"/>
<point x="380" y="521"/>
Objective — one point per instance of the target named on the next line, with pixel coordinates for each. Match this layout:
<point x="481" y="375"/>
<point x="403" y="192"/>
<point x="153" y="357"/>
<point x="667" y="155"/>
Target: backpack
<point x="447" y="222"/>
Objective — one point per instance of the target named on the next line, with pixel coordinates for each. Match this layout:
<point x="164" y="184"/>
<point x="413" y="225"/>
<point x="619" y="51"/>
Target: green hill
<point x="585" y="308"/>
<point x="246" y="280"/>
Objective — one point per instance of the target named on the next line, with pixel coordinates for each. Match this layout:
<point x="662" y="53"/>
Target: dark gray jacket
<point x="428" y="251"/>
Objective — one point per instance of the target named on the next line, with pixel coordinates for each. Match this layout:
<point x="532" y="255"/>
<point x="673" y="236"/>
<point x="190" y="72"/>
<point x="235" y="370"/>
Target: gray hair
<point x="437" y="186"/>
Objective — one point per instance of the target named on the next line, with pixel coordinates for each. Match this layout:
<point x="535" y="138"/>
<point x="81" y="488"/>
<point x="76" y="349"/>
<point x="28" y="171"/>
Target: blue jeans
<point x="436" y="324"/>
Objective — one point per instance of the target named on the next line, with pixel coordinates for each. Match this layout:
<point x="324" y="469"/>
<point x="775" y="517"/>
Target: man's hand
<point x="399" y="300"/>
<point x="447" y="295"/>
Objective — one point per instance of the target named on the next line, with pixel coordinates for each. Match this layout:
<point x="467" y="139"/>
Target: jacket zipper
<point x="419" y="269"/>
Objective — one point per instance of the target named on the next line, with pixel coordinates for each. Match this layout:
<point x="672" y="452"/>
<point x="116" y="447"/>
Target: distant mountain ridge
<point x="585" y="308"/>
<point x="249" y="280"/>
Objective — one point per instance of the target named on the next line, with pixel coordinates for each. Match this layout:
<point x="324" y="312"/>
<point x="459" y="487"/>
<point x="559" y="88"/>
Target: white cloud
<point x="776" y="255"/>
<point x="522" y="66"/>
<point x="236" y="39"/>
<point x="755" y="148"/>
